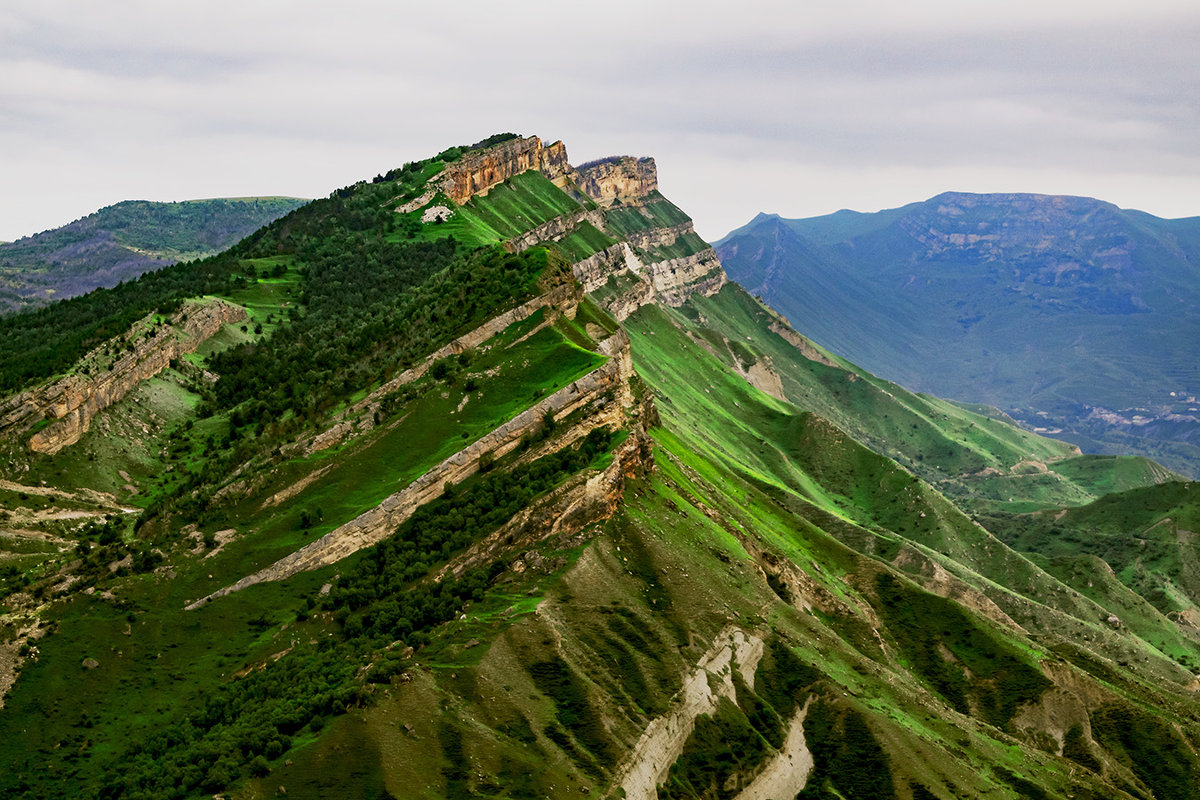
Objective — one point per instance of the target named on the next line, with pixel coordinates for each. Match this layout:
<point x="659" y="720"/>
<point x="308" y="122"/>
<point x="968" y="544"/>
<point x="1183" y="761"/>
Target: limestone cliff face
<point x="677" y="279"/>
<point x="623" y="178"/>
<point x="594" y="271"/>
<point x="660" y="237"/>
<point x="480" y="170"/>
<point x="71" y="402"/>
<point x="671" y="281"/>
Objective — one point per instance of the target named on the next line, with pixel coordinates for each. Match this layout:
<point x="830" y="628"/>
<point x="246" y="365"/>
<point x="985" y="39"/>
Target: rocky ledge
<point x="61" y="411"/>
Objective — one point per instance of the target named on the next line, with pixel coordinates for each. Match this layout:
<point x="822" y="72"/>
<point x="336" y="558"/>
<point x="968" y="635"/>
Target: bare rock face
<point x="70" y="403"/>
<point x="481" y="170"/>
<point x="623" y="178"/>
<point x="677" y="279"/>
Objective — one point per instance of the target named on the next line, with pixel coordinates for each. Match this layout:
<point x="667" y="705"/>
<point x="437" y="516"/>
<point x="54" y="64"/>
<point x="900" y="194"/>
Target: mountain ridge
<point x="630" y="534"/>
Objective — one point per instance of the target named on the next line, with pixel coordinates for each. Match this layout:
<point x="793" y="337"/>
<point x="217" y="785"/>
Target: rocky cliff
<point x="622" y="178"/>
<point x="480" y="170"/>
<point x="60" y="412"/>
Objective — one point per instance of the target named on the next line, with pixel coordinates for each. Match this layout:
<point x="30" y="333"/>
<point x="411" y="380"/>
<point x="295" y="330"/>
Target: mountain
<point x="121" y="241"/>
<point x="480" y="479"/>
<point x="1072" y="315"/>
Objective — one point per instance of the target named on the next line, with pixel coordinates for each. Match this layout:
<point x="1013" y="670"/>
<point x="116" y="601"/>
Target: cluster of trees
<point x="371" y="307"/>
<point x="38" y="344"/>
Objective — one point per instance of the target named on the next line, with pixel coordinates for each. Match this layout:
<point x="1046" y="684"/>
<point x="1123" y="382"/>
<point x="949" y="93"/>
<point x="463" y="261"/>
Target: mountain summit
<point x="479" y="479"/>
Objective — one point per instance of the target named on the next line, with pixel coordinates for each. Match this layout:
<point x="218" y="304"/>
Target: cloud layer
<point x="799" y="109"/>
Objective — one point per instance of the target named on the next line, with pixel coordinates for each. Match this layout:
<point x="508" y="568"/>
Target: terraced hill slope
<point x="124" y="240"/>
<point x="498" y="488"/>
<point x="1072" y="315"/>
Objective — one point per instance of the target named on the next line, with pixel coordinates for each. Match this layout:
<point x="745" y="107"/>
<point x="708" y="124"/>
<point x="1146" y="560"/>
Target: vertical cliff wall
<point x="623" y="178"/>
<point x="480" y="170"/>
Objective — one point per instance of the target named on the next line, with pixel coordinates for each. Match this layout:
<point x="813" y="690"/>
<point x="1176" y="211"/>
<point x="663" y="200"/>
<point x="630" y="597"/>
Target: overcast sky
<point x="796" y="108"/>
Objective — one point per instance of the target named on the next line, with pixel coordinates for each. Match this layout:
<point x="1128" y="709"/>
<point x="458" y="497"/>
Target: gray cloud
<point x="763" y="106"/>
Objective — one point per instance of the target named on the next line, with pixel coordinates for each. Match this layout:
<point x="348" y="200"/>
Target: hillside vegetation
<point x="124" y="240"/>
<point x="517" y="497"/>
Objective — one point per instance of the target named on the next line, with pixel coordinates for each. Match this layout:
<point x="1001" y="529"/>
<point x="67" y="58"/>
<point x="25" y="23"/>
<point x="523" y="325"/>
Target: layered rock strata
<point x="380" y="522"/>
<point x="659" y="237"/>
<point x="554" y="229"/>
<point x="70" y="403"/>
<point x="677" y="279"/>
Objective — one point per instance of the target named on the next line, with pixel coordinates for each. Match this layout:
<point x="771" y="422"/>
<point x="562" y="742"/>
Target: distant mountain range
<point x="124" y="240"/>
<point x="1073" y="315"/>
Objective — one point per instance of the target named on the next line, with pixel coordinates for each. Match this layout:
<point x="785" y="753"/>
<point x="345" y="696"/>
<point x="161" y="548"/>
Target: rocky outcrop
<point x="677" y="279"/>
<point x="380" y="522"/>
<point x="480" y="170"/>
<point x="419" y="201"/>
<point x="622" y="178"/>
<point x="671" y="281"/>
<point x="70" y="403"/>
<point x="787" y="773"/>
<point x="624" y="304"/>
<point x="595" y="270"/>
<point x="554" y="229"/>
<point x="582" y="501"/>
<point x="663" y="740"/>
<point x="806" y="348"/>
<point x="659" y="237"/>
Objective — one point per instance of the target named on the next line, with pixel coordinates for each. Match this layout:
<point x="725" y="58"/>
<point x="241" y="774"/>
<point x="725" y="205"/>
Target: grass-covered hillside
<point x="1073" y="315"/>
<point x="424" y="520"/>
<point x="124" y="240"/>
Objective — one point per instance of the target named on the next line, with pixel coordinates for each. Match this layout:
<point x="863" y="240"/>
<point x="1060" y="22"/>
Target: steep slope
<point x="1071" y="314"/>
<point x="500" y="490"/>
<point x="124" y="240"/>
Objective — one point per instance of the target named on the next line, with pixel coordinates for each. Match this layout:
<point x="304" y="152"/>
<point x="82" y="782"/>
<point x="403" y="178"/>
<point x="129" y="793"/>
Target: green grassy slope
<point x="764" y="518"/>
<point x="507" y="210"/>
<point x="1145" y="536"/>
<point x="977" y="460"/>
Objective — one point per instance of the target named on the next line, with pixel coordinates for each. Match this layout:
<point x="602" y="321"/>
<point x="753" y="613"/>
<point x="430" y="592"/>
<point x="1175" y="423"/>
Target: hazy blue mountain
<point x="1074" y="315"/>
